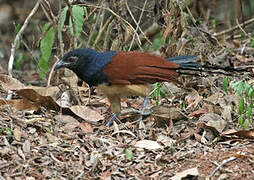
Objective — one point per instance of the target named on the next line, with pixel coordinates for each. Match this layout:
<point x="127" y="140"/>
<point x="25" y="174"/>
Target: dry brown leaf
<point x="86" y="113"/>
<point x="198" y="113"/>
<point x="241" y="58"/>
<point x="9" y="83"/>
<point x="122" y="132"/>
<point x="86" y="127"/>
<point x="212" y="121"/>
<point x="193" y="99"/>
<point x="65" y="119"/>
<point x="45" y="91"/>
<point x="226" y="113"/>
<point x="242" y="133"/>
<point x="21" y="154"/>
<point x="167" y="31"/>
<point x="214" y="98"/>
<point x="52" y="138"/>
<point x="106" y="175"/>
<point x="39" y="100"/>
<point x="26" y="146"/>
<point x="184" y="174"/>
<point x="19" y="104"/>
<point x="148" y="144"/>
<point x="70" y="126"/>
<point x="17" y="134"/>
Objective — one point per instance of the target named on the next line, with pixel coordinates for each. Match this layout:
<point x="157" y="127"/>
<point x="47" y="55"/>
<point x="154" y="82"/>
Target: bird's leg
<point x="144" y="111"/>
<point x="109" y="123"/>
<point x="115" y="107"/>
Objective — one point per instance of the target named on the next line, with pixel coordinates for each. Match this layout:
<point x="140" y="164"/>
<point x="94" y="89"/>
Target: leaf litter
<point x="74" y="144"/>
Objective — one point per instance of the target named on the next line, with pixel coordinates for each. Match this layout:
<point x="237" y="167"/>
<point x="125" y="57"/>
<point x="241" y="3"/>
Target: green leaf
<point x="157" y="92"/>
<point x="182" y="105"/>
<point x="158" y="42"/>
<point x="250" y="93"/>
<point x="250" y="108"/>
<point x="240" y="86"/>
<point x="128" y="154"/>
<point x="240" y="120"/>
<point x="225" y="84"/>
<point x="63" y="17"/>
<point x="162" y="93"/>
<point x="46" y="45"/>
<point x="241" y="106"/>
<point x="18" y="61"/>
<point x="86" y="13"/>
<point x="245" y="125"/>
<point x="252" y="42"/>
<point x="78" y="14"/>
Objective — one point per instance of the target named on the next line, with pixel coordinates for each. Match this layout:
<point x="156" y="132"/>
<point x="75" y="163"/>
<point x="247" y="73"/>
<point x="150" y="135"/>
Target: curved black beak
<point x="59" y="64"/>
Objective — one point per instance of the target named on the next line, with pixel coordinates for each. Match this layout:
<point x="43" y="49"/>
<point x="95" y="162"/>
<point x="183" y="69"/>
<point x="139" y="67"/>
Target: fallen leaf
<point x="86" y="113"/>
<point x="17" y="134"/>
<point x="19" y="104"/>
<point x="86" y="127"/>
<point x="65" y="119"/>
<point x="242" y="133"/>
<point x="106" y="175"/>
<point x="198" y="113"/>
<point x="21" y="154"/>
<point x="148" y="144"/>
<point x="9" y="83"/>
<point x="183" y="175"/>
<point x="123" y="132"/>
<point x="166" y="140"/>
<point x="193" y="99"/>
<point x="26" y="146"/>
<point x="226" y="113"/>
<point x="44" y="101"/>
<point x="213" y="121"/>
<point x="70" y="126"/>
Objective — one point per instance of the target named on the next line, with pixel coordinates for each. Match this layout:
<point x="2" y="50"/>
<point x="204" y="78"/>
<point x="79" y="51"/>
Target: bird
<point x="117" y="74"/>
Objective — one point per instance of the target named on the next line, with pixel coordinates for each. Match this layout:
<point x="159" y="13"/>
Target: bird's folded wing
<point x="139" y="68"/>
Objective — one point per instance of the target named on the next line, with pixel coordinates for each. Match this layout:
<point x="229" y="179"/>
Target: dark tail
<point x="187" y="64"/>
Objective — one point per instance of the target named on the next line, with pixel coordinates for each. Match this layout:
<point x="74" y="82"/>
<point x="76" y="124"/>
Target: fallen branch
<point x="17" y="38"/>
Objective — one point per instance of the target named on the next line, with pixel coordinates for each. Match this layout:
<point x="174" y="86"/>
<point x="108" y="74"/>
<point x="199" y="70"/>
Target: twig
<point x="107" y="35"/>
<point x="223" y="162"/>
<point x="115" y="14"/>
<point x="137" y="23"/>
<point x="102" y="30"/>
<point x="93" y="28"/>
<point x="13" y="46"/>
<point x="46" y="12"/>
<point x="43" y="34"/>
<point x="73" y="23"/>
<point x="240" y="27"/>
<point x="89" y="95"/>
<point x="59" y="30"/>
<point x="234" y="28"/>
<point x="50" y="75"/>
<point x="153" y="29"/>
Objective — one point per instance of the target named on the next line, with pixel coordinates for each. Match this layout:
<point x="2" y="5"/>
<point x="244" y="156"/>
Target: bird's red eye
<point x="72" y="59"/>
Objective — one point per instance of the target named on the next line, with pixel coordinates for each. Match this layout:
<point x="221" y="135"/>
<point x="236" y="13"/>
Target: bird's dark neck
<point x="93" y="73"/>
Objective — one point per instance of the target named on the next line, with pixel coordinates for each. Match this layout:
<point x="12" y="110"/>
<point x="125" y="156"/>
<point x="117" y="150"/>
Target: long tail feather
<point x="187" y="63"/>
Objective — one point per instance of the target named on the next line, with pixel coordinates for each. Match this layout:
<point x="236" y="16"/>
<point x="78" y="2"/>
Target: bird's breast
<point x="124" y="90"/>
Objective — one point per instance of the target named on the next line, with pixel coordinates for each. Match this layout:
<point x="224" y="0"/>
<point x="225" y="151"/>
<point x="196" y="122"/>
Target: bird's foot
<point x="112" y="119"/>
<point x="144" y="111"/>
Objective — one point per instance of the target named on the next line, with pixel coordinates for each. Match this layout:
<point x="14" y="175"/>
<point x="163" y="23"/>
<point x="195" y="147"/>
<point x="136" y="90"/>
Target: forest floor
<point x="193" y="132"/>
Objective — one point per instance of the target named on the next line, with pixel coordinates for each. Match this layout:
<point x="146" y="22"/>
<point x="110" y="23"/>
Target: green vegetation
<point x="245" y="103"/>
<point x="47" y="42"/>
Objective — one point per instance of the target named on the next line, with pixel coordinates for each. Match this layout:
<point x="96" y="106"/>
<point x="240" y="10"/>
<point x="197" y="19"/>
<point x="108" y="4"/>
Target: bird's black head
<point x="87" y="64"/>
<point x="76" y="58"/>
